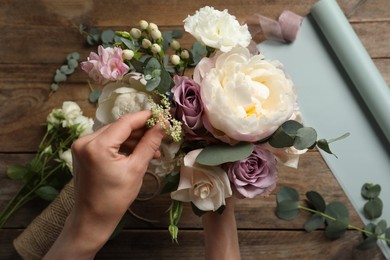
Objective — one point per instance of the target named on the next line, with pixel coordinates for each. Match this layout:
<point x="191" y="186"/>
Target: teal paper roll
<point x="357" y="63"/>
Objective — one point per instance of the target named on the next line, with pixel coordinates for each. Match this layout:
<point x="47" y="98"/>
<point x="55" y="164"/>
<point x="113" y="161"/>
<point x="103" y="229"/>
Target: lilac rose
<point x="255" y="175"/>
<point x="189" y="107"/>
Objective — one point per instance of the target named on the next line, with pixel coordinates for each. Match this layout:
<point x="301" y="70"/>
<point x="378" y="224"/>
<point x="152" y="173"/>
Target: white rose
<point x="71" y="111"/>
<point x="217" y="29"/>
<point x="66" y="157"/>
<point x="205" y="186"/>
<point x="169" y="160"/>
<point x="121" y="97"/>
<point x="246" y="98"/>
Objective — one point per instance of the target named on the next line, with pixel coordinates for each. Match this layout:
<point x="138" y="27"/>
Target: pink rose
<point x="255" y="175"/>
<point x="105" y="66"/>
<point x="189" y="107"/>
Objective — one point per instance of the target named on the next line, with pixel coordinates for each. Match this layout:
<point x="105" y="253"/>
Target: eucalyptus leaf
<point x="198" y="52"/>
<point x="94" y="96"/>
<point x="380" y="227"/>
<point x="168" y="37"/>
<point x="316" y="200"/>
<point x="107" y="36"/>
<point x="17" y="172"/>
<point x="138" y="65"/>
<point x="287" y="193"/>
<point x="73" y="56"/>
<point x="314" y="222"/>
<point x="285" y="135"/>
<point x="324" y="145"/>
<point x="177" y="33"/>
<point x="152" y="83"/>
<point x="367" y="243"/>
<point x="214" y="155"/>
<point x="54" y="87"/>
<point x="335" y="229"/>
<point x="337" y="210"/>
<point x="373" y="208"/>
<point x="128" y="43"/>
<point x="66" y="69"/>
<point x="47" y="193"/>
<point x="287" y="209"/>
<point x="370" y="227"/>
<point x="166" y="81"/>
<point x="370" y="191"/>
<point x="93" y="37"/>
<point x="72" y="63"/>
<point x="306" y="137"/>
<point x="59" y="76"/>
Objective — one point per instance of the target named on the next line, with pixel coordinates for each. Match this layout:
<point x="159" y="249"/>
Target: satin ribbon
<point x="283" y="30"/>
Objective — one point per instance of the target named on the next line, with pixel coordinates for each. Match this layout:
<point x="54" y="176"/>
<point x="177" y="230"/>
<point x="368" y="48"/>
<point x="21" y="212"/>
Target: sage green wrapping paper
<point x="355" y="60"/>
<point x="340" y="90"/>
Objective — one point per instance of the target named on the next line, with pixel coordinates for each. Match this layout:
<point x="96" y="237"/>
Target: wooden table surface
<point x="36" y="35"/>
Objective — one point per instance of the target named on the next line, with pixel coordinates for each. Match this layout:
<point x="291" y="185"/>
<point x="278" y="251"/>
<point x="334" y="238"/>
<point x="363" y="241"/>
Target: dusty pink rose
<point x="255" y="175"/>
<point x="106" y="65"/>
<point x="189" y="107"/>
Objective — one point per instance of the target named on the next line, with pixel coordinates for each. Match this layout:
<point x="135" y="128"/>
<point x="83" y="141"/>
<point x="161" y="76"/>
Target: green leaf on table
<point x="287" y="209"/>
<point x="17" y="172"/>
<point x="335" y="229"/>
<point x="287" y="193"/>
<point x="54" y="87"/>
<point x="370" y="191"/>
<point x="285" y="135"/>
<point x="222" y="153"/>
<point x="47" y="193"/>
<point x="316" y="200"/>
<point x="94" y="96"/>
<point x="93" y="37"/>
<point x="72" y="63"/>
<point x="306" y="137"/>
<point x="380" y="227"/>
<point x="367" y="243"/>
<point x="314" y="222"/>
<point x="373" y="208"/>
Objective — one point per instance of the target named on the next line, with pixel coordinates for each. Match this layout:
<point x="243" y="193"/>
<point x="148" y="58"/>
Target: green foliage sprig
<point x="333" y="216"/>
<point x="62" y="73"/>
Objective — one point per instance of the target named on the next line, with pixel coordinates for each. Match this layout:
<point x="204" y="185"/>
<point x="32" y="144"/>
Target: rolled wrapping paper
<point x="39" y="236"/>
<point x="356" y="61"/>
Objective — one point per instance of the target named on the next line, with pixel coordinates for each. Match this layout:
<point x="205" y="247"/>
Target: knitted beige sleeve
<point x="38" y="237"/>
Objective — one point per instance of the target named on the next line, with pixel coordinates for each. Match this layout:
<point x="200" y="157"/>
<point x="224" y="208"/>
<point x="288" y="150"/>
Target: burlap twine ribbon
<point x="40" y="235"/>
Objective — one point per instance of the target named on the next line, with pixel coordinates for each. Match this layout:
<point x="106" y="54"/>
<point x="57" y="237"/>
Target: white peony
<point x="205" y="186"/>
<point x="217" y="29"/>
<point x="121" y="97"/>
<point x="245" y="97"/>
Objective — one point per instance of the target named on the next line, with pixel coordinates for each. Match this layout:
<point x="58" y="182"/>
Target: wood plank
<point x="257" y="244"/>
<point x="372" y="10"/>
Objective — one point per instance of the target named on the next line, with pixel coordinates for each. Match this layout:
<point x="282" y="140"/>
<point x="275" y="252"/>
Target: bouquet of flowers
<point x="230" y="122"/>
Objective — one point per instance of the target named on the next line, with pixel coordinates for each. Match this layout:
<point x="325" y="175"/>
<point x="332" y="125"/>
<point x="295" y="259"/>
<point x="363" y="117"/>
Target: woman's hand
<point x="109" y="166"/>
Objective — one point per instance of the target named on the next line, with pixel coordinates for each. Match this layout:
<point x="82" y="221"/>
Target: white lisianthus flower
<point x="205" y="186"/>
<point x="245" y="97"/>
<point x="122" y="97"/>
<point x="217" y="29"/>
<point x="66" y="158"/>
<point x="56" y="117"/>
<point x="169" y="160"/>
<point x="84" y="125"/>
<point x="71" y="111"/>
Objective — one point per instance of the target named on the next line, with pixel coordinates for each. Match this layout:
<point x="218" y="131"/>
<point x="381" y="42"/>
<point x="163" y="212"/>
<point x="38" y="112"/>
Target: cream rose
<point x="205" y="186"/>
<point x="217" y="29"/>
<point x="71" y="111"/>
<point x="66" y="158"/>
<point x="121" y="97"/>
<point x="169" y="160"/>
<point x="246" y="98"/>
